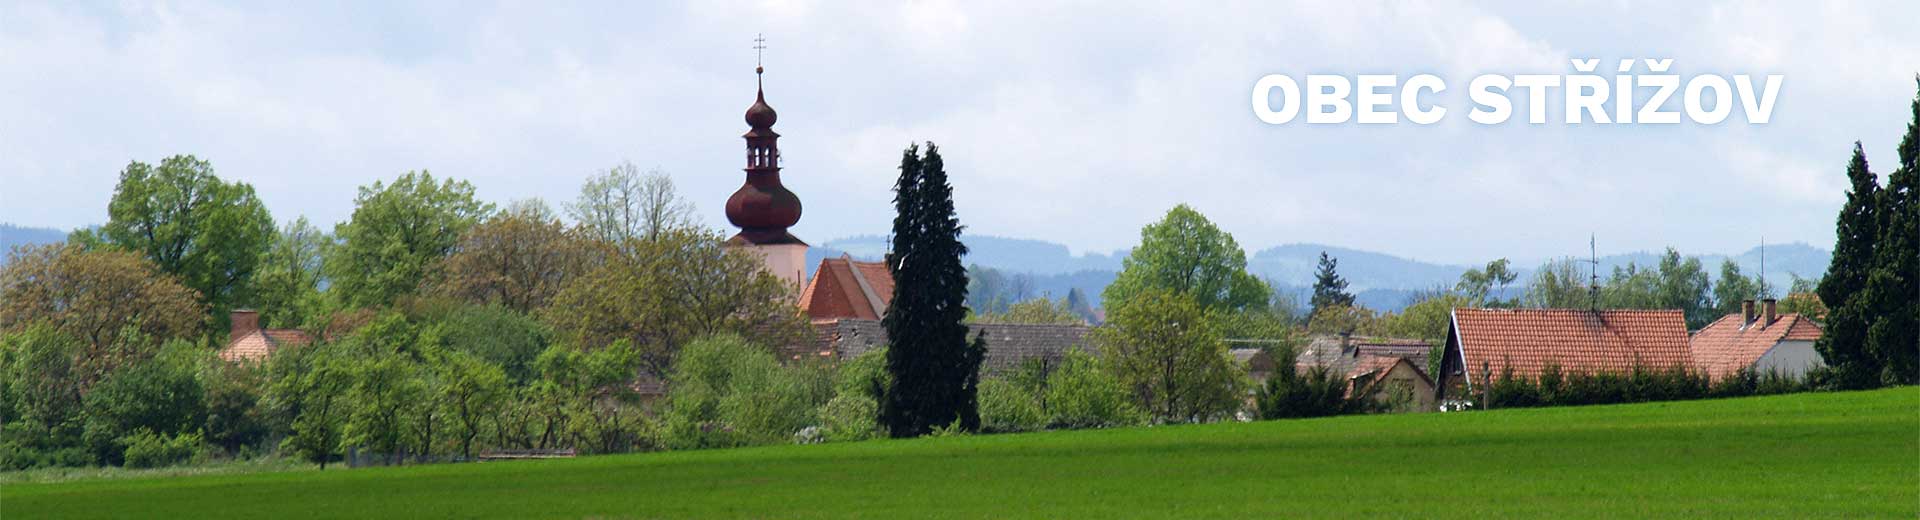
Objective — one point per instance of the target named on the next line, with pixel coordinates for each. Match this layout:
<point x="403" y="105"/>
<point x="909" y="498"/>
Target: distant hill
<point x="1784" y="261"/>
<point x="1378" y="281"/>
<point x="12" y="236"/>
<point x="1010" y="254"/>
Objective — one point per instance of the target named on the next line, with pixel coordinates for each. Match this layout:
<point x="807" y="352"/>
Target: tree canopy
<point x="1187" y="254"/>
<point x="208" y="233"/>
<point x="397" y="234"/>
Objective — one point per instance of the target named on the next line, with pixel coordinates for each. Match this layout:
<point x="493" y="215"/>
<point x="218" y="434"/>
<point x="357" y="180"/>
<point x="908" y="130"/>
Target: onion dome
<point x="760" y="116"/>
<point x="762" y="208"/>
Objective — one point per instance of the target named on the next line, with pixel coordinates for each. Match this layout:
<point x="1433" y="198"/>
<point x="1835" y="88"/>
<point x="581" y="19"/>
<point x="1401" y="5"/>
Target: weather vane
<point x="759" y="44"/>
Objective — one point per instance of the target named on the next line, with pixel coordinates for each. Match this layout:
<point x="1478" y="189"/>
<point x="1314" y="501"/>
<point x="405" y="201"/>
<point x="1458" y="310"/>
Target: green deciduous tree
<point x="1482" y="286"/>
<point x="727" y="392"/>
<point x="1558" y="284"/>
<point x="623" y="205"/>
<point x="399" y="232"/>
<point x="208" y="233"/>
<point x="680" y="286"/>
<point x="519" y="258"/>
<point x="1187" y="254"/>
<point x="162" y="395"/>
<point x="1164" y="347"/>
<point x="116" y="303"/>
<point x="1683" y="285"/>
<point x="287" y="283"/>
<point x="935" y="367"/>
<point x="1733" y="288"/>
<point x="1037" y="311"/>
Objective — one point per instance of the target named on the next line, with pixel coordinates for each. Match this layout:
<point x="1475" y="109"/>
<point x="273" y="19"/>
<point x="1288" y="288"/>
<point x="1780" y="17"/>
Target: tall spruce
<point x="1842" y="345"/>
<point x="935" y="368"/>
<point x="1892" y="292"/>
<point x="1329" y="289"/>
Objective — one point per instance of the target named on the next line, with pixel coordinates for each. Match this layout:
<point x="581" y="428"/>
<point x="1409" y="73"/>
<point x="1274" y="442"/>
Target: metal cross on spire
<point x="759" y="44"/>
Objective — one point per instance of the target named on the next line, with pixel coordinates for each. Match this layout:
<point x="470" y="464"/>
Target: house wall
<point x="1793" y="358"/>
<point x="1403" y="375"/>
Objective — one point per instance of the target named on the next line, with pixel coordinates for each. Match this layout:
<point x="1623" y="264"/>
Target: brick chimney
<point x="244" y="322"/>
<point x="1346" y="344"/>
<point x="1770" y="305"/>
<point x="1746" y="313"/>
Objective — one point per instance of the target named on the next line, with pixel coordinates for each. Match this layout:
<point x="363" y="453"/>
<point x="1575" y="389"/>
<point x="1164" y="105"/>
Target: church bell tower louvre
<point x="762" y="208"/>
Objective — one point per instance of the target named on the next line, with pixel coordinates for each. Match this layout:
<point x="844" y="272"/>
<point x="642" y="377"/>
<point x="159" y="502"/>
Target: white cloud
<point x="1068" y="122"/>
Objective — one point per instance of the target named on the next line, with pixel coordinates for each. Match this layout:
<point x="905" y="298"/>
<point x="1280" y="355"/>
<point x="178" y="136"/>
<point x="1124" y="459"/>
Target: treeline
<point x="440" y="325"/>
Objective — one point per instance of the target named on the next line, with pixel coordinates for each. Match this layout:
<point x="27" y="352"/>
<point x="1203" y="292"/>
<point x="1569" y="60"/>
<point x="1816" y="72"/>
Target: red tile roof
<point x="262" y="343"/>
<point x="1725" y="347"/>
<point x="1527" y="340"/>
<point x="845" y="288"/>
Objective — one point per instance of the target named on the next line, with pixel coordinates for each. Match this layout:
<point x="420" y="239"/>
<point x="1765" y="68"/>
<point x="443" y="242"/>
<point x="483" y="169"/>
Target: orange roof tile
<point x="840" y="289"/>
<point x="1527" y="340"/>
<point x="1724" y="347"/>
<point x="261" y="344"/>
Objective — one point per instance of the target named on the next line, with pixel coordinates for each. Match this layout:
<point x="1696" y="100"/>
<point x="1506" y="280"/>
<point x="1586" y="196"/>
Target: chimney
<point x="1346" y="343"/>
<point x="1746" y="313"/>
<point x="244" y="323"/>
<point x="1770" y="305"/>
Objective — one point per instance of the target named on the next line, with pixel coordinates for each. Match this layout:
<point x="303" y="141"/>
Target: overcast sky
<point x="1073" y="122"/>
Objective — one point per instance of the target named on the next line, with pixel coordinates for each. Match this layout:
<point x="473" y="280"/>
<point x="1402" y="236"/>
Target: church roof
<point x="847" y="288"/>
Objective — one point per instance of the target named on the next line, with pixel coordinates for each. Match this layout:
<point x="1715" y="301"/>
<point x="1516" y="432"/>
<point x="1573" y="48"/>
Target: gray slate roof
<point x="1008" y="344"/>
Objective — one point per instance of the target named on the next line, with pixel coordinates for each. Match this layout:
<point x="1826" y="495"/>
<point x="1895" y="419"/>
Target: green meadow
<point x="1852" y="454"/>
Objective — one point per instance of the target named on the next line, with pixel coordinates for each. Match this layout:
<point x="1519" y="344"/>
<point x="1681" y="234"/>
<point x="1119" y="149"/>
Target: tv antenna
<point x="1593" y="274"/>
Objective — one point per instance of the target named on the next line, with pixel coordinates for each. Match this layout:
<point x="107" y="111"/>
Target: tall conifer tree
<point x="1892" y="292"/>
<point x="1329" y="289"/>
<point x="1856" y="229"/>
<point x="935" y="367"/>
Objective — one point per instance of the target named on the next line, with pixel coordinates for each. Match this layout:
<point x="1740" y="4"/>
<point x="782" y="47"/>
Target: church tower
<point x="762" y="208"/>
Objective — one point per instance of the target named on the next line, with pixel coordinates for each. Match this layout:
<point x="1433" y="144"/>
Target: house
<point x="247" y="341"/>
<point x="1326" y="347"/>
<point x="1394" y="381"/>
<point x="1008" y="344"/>
<point x="1763" y="342"/>
<point x="1483" y="344"/>
<point x="1258" y="363"/>
<point x="1388" y="369"/>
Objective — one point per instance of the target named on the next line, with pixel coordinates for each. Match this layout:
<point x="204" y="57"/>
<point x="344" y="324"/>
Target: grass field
<point x="1811" y="455"/>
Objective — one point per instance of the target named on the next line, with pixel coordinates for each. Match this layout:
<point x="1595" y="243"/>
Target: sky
<point x="1072" y="122"/>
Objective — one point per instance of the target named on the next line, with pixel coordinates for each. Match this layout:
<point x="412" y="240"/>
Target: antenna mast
<point x="1593" y="274"/>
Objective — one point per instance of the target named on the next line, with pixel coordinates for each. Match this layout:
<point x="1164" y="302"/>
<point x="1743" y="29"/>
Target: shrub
<point x="1316" y="393"/>
<point x="728" y="393"/>
<point x="163" y="395"/>
<point x="1081" y="395"/>
<point x="1319" y="392"/>
<point x="865" y="375"/>
<point x="28" y="444"/>
<point x="1555" y="388"/>
<point x="146" y="449"/>
<point x="850" y="417"/>
<point x="1005" y="408"/>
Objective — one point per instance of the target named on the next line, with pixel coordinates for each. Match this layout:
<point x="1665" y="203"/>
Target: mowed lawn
<point x="1854" y="454"/>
